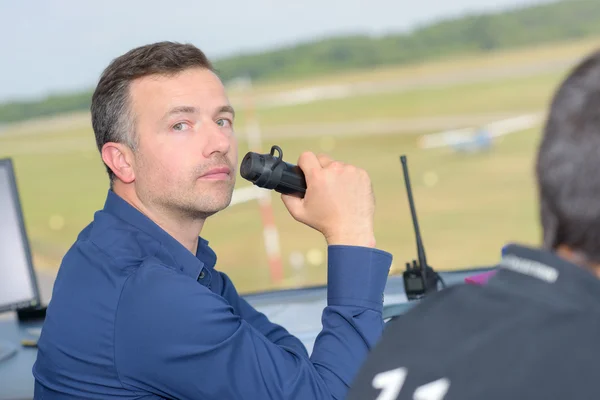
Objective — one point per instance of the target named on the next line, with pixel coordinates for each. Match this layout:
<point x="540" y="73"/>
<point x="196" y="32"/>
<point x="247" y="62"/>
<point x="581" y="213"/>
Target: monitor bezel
<point x="7" y="163"/>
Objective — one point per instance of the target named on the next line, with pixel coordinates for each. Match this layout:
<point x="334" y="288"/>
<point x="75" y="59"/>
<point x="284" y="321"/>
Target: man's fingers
<point x="308" y="162"/>
<point x="293" y="204"/>
<point x="325" y="160"/>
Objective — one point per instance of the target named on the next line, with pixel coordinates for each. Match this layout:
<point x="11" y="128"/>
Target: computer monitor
<point x="18" y="283"/>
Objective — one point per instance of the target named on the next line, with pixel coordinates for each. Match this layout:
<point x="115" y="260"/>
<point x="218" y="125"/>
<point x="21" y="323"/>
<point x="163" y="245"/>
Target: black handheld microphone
<point x="270" y="172"/>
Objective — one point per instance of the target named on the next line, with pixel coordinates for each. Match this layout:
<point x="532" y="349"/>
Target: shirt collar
<point x="541" y="270"/>
<point x="188" y="263"/>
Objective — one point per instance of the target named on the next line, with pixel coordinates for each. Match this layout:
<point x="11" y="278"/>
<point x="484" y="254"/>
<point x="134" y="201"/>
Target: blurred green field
<point x="518" y="95"/>
<point x="477" y="204"/>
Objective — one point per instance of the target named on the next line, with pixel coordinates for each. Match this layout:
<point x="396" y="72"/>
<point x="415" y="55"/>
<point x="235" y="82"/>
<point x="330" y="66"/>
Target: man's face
<point x="186" y="158"/>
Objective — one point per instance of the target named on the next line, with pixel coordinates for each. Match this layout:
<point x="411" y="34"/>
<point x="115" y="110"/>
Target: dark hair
<point x="112" y="119"/>
<point x="568" y="163"/>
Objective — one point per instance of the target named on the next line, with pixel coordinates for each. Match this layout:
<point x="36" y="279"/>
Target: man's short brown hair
<point x="112" y="118"/>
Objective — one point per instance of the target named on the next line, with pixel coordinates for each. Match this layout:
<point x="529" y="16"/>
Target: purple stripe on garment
<point x="480" y="279"/>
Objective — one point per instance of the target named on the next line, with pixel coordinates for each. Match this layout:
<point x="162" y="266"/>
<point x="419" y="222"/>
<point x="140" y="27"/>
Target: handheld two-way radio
<point x="419" y="277"/>
<point x="271" y="172"/>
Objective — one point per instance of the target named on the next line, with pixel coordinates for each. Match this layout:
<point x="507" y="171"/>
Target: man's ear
<point x="120" y="160"/>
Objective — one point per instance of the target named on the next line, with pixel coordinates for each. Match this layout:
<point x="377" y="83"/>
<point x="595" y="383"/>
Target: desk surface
<point x="16" y="380"/>
<point x="281" y="307"/>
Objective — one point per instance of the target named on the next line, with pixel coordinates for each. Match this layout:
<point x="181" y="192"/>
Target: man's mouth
<point x="217" y="173"/>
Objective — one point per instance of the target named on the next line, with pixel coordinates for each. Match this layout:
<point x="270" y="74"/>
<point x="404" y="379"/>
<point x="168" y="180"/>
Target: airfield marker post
<point x="270" y="231"/>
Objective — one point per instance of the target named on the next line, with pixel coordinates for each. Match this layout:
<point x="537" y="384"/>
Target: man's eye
<point x="180" y="126"/>
<point x="224" y="123"/>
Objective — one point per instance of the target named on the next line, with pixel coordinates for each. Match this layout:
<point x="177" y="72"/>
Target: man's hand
<point x="339" y="201"/>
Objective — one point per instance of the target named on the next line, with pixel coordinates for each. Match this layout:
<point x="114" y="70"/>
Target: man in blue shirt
<point x="138" y="310"/>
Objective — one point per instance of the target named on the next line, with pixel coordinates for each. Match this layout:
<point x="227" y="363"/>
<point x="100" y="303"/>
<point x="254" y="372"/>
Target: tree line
<point x="469" y="34"/>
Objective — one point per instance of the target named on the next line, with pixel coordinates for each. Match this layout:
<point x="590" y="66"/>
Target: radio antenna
<point x="420" y="248"/>
<point x="419" y="278"/>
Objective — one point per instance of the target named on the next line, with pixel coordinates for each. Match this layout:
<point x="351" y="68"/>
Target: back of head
<point x="568" y="164"/>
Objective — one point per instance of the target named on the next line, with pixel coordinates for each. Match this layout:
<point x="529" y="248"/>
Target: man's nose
<point x="218" y="140"/>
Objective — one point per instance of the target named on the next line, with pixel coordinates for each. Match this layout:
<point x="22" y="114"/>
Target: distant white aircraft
<point x="479" y="138"/>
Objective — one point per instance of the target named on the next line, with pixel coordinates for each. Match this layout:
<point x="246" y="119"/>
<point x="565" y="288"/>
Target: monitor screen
<point x="18" y="286"/>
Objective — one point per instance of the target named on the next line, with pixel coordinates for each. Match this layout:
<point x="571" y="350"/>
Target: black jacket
<point x="532" y="332"/>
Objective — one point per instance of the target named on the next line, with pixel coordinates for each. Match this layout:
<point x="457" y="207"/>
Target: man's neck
<point x="577" y="258"/>
<point x="182" y="229"/>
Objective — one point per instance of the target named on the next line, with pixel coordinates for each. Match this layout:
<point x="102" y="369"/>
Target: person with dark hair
<point x="529" y="330"/>
<point x="138" y="309"/>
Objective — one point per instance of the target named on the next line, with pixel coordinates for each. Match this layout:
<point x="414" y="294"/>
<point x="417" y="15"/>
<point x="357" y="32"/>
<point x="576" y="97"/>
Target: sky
<point x="53" y="46"/>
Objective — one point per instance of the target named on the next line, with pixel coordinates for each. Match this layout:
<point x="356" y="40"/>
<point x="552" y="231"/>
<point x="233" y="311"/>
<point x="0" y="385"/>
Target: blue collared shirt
<point x="135" y="315"/>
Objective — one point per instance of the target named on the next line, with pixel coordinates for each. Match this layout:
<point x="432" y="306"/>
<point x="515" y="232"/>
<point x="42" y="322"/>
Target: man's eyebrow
<point x="181" y="110"/>
<point x="227" y="109"/>
<point x="194" y="110"/>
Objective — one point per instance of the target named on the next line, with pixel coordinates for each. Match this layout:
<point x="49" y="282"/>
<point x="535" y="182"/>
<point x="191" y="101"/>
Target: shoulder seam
<point x="115" y="330"/>
<point x="100" y="249"/>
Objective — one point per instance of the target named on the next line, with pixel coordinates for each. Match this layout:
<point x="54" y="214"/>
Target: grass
<point x="506" y="95"/>
<point x="478" y="203"/>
